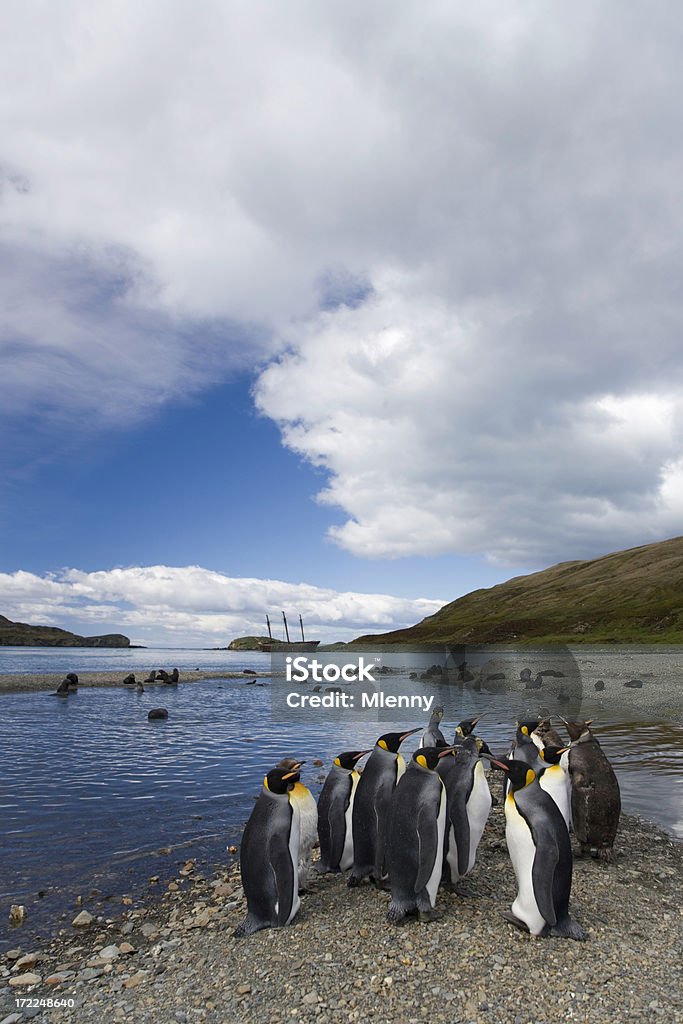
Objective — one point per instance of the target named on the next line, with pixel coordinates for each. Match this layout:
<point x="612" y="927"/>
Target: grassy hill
<point x="633" y="596"/>
<point x="21" y="634"/>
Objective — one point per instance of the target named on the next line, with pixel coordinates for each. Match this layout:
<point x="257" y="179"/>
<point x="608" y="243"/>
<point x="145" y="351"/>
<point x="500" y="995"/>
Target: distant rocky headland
<point x="21" y="634"/>
<point x="249" y="643"/>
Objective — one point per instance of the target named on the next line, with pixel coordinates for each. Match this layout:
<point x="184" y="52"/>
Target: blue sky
<point x="354" y="349"/>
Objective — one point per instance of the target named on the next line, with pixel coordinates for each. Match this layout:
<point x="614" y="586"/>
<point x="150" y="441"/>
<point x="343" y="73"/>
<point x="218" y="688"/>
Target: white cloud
<point x="182" y="184"/>
<point x="161" y="604"/>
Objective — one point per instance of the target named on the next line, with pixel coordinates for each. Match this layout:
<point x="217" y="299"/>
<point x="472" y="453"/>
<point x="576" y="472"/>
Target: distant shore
<point x="18" y="682"/>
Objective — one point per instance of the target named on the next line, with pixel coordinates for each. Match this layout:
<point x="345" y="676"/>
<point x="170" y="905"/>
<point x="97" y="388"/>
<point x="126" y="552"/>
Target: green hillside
<point x="633" y="596"/>
<point x="21" y="634"/>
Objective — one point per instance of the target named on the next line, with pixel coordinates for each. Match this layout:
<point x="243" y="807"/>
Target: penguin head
<point x="428" y="757"/>
<point x="290" y="763"/>
<point x="576" y="729"/>
<point x="349" y="759"/>
<point x="437" y="715"/>
<point x="466" y="727"/>
<point x="518" y="772"/>
<point x="280" y="780"/>
<point x="527" y="726"/>
<point x="391" y="741"/>
<point x="552" y="755"/>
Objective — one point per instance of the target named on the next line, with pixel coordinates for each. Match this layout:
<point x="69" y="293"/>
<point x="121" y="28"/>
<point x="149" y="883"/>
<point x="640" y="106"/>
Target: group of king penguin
<point x="411" y="829"/>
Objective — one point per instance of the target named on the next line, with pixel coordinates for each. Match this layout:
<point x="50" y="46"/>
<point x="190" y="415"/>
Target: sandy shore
<point x="17" y="682"/>
<point x="341" y="961"/>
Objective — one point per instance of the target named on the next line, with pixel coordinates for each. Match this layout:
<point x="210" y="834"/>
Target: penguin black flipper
<point x="331" y="817"/>
<point x="282" y="868"/>
<point x="428" y="835"/>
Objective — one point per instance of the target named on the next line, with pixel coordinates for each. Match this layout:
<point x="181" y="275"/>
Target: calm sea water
<point x="91" y="793"/>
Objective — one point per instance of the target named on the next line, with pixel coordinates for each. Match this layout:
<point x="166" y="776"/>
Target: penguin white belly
<point x="435" y="877"/>
<point x="347" y="855"/>
<point x="564" y="765"/>
<point x="478" y="807"/>
<point x="554" y="783"/>
<point x="452" y="855"/>
<point x="294" y="844"/>
<point x="400" y="767"/>
<point x="522" y="851"/>
<point x="302" y="798"/>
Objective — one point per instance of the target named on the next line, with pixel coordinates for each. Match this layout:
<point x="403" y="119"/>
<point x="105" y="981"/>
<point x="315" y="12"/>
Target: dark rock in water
<point x="552" y="672"/>
<point x="495" y="676"/>
<point x="151" y="677"/>
<point x="130" y="680"/>
<point x="635" y="684"/>
<point x="413" y="675"/>
<point x="534" y="684"/>
<point x="464" y="674"/>
<point x="250" y="682"/>
<point x="333" y="689"/>
<point x="600" y="685"/>
<point x="72" y="678"/>
<point x="157" y="713"/>
<point x="317" y="689"/>
<point x="175" y="675"/>
<point x="525" y="674"/>
<point x="249" y="672"/>
<point x="63" y="688"/>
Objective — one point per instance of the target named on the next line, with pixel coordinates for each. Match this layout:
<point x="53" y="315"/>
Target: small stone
<point x="126" y="948"/>
<point x="127" y="901"/>
<point x="25" y="979"/>
<point x="83" y="920"/>
<point x="148" y="930"/>
<point x="223" y="890"/>
<point x="12" y="1018"/>
<point x="136" y="979"/>
<point x="173" y="887"/>
<point x="244" y="989"/>
<point x="310" y="998"/>
<point x="363" y="932"/>
<point x="232" y="849"/>
<point x="13" y="954"/>
<point x="127" y="928"/>
<point x="28" y="960"/>
<point x="58" y="977"/>
<point x="388" y="981"/>
<point x="109" y="953"/>
<point x="90" y="973"/>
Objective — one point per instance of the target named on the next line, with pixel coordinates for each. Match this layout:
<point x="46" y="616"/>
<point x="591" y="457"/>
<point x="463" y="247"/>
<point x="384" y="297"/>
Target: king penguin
<point x="432" y="736"/>
<point x="538" y="842"/>
<point x="596" y="800"/>
<point x="371" y="807"/>
<point x="308" y="820"/>
<point x="415" y="837"/>
<point x="335" y="812"/>
<point x="524" y="749"/>
<point x="269" y="855"/>
<point x="468" y="805"/>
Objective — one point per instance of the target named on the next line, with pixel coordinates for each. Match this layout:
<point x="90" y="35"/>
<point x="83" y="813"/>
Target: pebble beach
<point x="173" y="958"/>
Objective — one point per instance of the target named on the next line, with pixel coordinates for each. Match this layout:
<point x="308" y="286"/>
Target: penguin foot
<point x="353" y="881"/>
<point x="568" y="929"/>
<point x="382" y="883"/>
<point x="509" y="916"/>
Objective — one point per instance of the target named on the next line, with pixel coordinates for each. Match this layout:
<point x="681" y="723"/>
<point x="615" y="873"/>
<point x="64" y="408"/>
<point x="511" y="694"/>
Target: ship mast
<point x="284" y="619"/>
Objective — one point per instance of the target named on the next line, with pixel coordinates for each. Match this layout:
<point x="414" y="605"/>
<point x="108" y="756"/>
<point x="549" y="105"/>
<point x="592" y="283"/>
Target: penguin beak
<point x="563" y="750"/>
<point x="498" y="764"/>
<point x="446" y="750"/>
<point x="405" y="735"/>
<point x="361" y="753"/>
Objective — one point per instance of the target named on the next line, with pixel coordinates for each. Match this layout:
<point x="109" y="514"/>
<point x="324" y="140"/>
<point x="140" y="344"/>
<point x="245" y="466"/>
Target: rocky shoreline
<point x="174" y="959"/>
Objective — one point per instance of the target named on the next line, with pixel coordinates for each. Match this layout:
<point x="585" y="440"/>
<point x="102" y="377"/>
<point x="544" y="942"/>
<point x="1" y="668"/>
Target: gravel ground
<point x="342" y="961"/>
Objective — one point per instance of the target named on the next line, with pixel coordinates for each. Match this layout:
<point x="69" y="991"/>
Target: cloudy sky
<point x="306" y="305"/>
